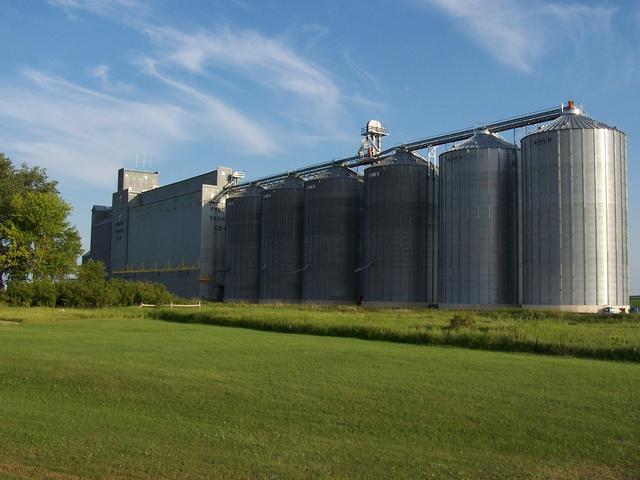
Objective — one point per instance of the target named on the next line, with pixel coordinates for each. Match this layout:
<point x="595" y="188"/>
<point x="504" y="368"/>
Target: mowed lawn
<point x="142" y="398"/>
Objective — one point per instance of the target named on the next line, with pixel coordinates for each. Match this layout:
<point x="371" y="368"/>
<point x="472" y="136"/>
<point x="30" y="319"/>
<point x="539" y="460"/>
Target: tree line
<point x="39" y="250"/>
<point x="88" y="288"/>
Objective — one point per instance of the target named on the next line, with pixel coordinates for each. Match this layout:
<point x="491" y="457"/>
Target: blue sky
<point x="89" y="86"/>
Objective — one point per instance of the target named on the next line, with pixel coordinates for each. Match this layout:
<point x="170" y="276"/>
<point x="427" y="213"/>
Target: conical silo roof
<point x="572" y="119"/>
<point x="484" y="139"/>
<point x="250" y="191"/>
<point x="401" y="157"/>
<point x="289" y="182"/>
<point x="336" y="172"/>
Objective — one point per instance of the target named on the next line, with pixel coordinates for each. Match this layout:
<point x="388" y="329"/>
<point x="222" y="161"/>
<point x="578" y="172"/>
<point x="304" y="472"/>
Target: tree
<point x="36" y="239"/>
<point x="18" y="181"/>
<point x="92" y="284"/>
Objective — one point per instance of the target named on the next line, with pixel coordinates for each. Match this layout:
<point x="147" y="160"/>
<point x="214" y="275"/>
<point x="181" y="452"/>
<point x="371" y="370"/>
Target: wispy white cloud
<point x="264" y="59"/>
<point x="209" y="70"/>
<point x="368" y="102"/>
<point x="79" y="133"/>
<point x="361" y="72"/>
<point x="313" y="33"/>
<point x="111" y="8"/>
<point x="84" y="134"/>
<point x="241" y="4"/>
<point x="228" y="5"/>
<point x="518" y="33"/>
<point x="238" y="127"/>
<point x="307" y="95"/>
<point x="576" y="21"/>
<point x="102" y="74"/>
<point x="498" y="26"/>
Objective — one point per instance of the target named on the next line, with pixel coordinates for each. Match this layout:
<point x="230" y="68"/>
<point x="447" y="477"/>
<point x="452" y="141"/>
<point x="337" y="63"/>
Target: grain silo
<point x="399" y="265"/>
<point x="282" y="230"/>
<point x="243" y="237"/>
<point x="332" y="217"/>
<point x="478" y="258"/>
<point x="574" y="215"/>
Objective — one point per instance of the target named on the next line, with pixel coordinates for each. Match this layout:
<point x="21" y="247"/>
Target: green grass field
<point x="96" y="395"/>
<point x="590" y="336"/>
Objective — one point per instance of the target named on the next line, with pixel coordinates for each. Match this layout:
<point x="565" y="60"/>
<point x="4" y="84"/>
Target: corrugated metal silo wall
<point x="332" y="212"/>
<point x="574" y="216"/>
<point x="282" y="230"/>
<point x="433" y="229"/>
<point x="478" y="258"/>
<point x="400" y="234"/>
<point x="243" y="238"/>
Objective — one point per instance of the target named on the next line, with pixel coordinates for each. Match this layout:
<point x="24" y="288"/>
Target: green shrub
<point x="152" y="293"/>
<point x="44" y="293"/>
<point x="462" y="319"/>
<point x="19" y="293"/>
<point x="90" y="289"/>
<point x="91" y="284"/>
<point x="68" y="295"/>
<point x="126" y="291"/>
<point x="92" y="272"/>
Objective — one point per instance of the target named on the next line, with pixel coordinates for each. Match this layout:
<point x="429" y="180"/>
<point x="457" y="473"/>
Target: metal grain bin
<point x="282" y="230"/>
<point x="332" y="217"/>
<point x="478" y="258"/>
<point x="400" y="233"/>
<point x="243" y="237"/>
<point x="574" y="215"/>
